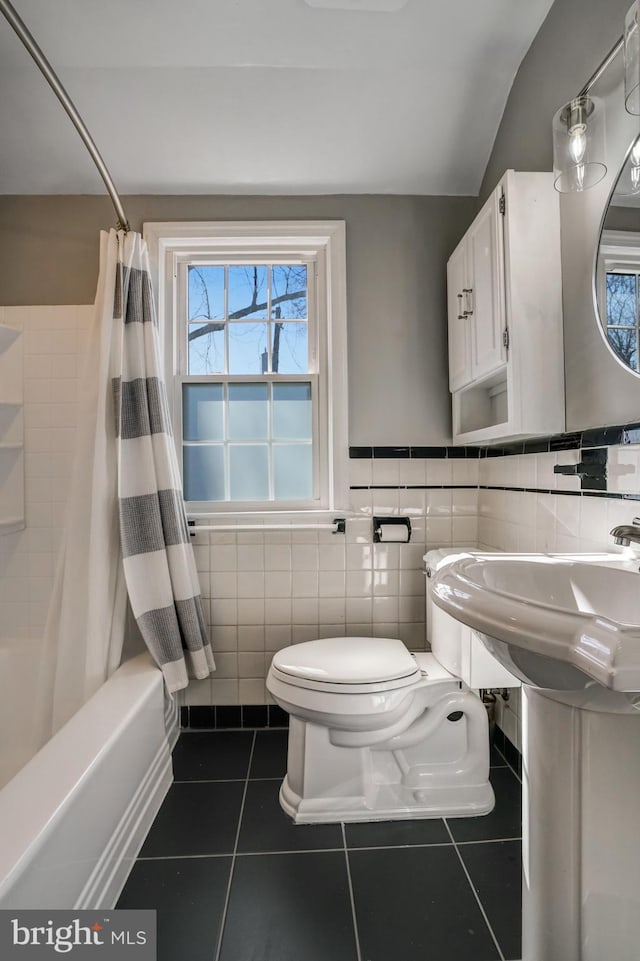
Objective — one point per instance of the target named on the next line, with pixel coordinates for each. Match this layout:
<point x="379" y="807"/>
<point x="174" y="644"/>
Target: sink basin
<point x="558" y="622"/>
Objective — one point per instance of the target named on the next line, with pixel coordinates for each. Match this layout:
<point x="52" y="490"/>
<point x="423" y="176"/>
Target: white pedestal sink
<point x="569" y="627"/>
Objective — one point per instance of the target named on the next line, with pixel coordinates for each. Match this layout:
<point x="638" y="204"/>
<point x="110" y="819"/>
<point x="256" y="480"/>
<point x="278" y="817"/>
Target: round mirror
<point x="618" y="265"/>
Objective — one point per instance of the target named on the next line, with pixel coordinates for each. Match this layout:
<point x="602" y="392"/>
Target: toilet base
<point x="390" y="802"/>
<point x="438" y="766"/>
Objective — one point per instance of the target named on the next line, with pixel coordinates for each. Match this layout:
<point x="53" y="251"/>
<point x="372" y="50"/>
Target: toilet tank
<point x="455" y="645"/>
<point x="444" y="633"/>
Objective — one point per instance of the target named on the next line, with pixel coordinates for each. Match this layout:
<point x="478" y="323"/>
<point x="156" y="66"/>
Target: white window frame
<point x="322" y="245"/>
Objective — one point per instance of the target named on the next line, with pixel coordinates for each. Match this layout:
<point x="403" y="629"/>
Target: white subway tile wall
<point x="274" y="588"/>
<point x="54" y="342"/>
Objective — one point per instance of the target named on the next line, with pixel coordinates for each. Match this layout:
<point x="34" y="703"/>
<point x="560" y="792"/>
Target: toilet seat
<point x="377" y="733"/>
<point x="347" y="665"/>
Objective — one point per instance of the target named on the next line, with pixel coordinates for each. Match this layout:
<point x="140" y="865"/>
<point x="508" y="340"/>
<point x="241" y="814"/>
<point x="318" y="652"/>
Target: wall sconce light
<point x="579" y="158"/>
<point x="578" y="145"/>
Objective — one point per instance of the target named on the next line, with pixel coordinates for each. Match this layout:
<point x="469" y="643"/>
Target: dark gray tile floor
<point x="232" y="879"/>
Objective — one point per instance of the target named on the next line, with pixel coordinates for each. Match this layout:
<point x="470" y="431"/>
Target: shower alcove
<point x="11" y="431"/>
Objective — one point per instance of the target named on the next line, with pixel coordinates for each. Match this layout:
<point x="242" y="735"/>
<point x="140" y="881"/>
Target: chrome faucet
<point x="623" y="534"/>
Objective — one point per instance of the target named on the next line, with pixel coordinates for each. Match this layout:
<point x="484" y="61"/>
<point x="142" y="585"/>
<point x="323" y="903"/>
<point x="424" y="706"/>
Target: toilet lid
<point x="347" y="660"/>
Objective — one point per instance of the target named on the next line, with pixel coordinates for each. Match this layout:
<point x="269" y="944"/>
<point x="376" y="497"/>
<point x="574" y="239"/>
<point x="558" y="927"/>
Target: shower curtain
<point x="125" y="528"/>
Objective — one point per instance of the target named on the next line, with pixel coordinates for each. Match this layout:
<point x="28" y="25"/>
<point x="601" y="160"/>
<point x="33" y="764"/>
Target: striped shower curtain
<point x="159" y="565"/>
<point x="125" y="518"/>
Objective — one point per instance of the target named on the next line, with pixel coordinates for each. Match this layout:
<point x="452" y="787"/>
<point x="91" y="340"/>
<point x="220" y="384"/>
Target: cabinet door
<point x="485" y="252"/>
<point x="459" y="347"/>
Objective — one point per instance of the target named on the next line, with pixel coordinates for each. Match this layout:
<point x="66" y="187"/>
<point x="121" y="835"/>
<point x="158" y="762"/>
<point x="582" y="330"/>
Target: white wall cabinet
<point x="504" y="294"/>
<point x="11" y="431"/>
<point x="475" y="281"/>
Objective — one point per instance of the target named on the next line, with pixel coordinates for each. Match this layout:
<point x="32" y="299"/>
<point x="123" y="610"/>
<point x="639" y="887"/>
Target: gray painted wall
<point x="570" y="44"/>
<point x="397" y="248"/>
<point x="573" y="40"/>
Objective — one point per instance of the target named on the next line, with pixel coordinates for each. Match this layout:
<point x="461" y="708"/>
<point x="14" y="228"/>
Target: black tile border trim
<point x="592" y="437"/>
<point x="226" y="717"/>
<point x="611" y="495"/>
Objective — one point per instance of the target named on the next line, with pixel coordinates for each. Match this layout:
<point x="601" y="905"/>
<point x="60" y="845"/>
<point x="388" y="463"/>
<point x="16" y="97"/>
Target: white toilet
<point x="377" y="733"/>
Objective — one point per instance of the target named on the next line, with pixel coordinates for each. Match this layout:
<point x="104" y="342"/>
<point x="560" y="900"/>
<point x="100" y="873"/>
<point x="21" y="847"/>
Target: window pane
<point x="292" y="411"/>
<point x="249" y="473"/>
<point x="202" y="412"/>
<point x="624" y="342"/>
<point x="247" y="348"/>
<point x="248" y="292"/>
<point x="289" y="348"/>
<point x="206" y="293"/>
<point x="203" y="469"/>
<point x="206" y="349"/>
<point x="289" y="292"/>
<point x="248" y="412"/>
<point x="292" y="472"/>
<point x="621" y="299"/>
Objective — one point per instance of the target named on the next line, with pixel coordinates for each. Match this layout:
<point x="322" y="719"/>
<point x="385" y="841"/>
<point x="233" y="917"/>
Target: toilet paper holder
<point x="382" y="533"/>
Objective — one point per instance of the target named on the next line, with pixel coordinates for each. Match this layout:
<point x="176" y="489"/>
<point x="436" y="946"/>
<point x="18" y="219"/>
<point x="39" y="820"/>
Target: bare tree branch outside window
<point x="288" y="301"/>
<point x="623" y="319"/>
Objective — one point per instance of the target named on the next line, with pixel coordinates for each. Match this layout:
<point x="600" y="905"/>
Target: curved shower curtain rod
<point x="52" y="79"/>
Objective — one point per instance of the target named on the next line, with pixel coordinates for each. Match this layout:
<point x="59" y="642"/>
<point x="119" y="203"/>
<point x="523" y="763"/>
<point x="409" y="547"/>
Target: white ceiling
<point x="262" y="96"/>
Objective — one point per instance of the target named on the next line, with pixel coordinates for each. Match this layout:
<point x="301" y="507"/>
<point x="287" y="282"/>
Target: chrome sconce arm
<point x="579" y="157"/>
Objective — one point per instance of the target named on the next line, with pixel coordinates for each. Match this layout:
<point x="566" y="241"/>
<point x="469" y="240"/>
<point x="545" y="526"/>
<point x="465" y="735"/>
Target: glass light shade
<point x="632" y="61"/>
<point x="579" y="145"/>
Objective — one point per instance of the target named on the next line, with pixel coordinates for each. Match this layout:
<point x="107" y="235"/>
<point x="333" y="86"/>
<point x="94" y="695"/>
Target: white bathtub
<point x="74" y="817"/>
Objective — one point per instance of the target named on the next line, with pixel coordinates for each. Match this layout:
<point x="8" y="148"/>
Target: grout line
<point x="434" y="844"/>
<point x="210" y="780"/>
<point x="259" y="854"/>
<point x="229" y="730"/>
<point x="512" y="769"/>
<point x="399" y="847"/>
<point x="223" y="780"/>
<point x="352" y="850"/>
<point x="475" y="893"/>
<point x="223" y="920"/>
<point x="351" y="896"/>
<point x="184" y="857"/>
<point x="517" y="837"/>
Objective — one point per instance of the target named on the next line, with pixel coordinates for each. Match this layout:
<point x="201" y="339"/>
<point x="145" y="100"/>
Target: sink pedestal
<point x="581" y="832"/>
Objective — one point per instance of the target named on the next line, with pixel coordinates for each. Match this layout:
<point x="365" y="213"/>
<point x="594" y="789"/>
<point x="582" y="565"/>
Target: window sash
<point x="312" y="376"/>
<point x="269" y="441"/>
<point x="182" y="296"/>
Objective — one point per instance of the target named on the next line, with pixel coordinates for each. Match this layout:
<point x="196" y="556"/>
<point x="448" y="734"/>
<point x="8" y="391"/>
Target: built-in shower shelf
<point x="8" y="335"/>
<point x="11" y="525"/>
<point x="11" y="431"/>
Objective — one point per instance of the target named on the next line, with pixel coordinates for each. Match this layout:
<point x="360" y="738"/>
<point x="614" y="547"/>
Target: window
<point x="255" y="337"/>
<point x="623" y="316"/>
<point x="618" y="286"/>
